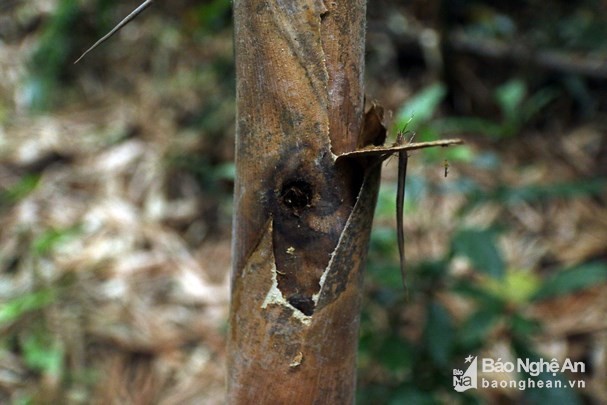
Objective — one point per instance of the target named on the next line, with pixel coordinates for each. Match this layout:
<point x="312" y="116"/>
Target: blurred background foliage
<point x="115" y="199"/>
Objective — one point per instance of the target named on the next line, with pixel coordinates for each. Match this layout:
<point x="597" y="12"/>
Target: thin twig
<point x="560" y="61"/>
<point x="388" y="150"/>
<point x="117" y="28"/>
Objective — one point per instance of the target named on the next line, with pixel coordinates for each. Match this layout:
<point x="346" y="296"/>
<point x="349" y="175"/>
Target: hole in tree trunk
<point x="296" y="194"/>
<point x="304" y="304"/>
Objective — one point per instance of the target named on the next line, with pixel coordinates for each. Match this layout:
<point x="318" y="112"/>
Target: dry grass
<point x="141" y="286"/>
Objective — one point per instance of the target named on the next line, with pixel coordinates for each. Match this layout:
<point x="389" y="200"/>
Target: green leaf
<point x="386" y="202"/>
<point x="383" y="241"/>
<point x="481" y="294"/>
<point x="558" y="393"/>
<point x="479" y="246"/>
<point x="395" y="354"/>
<point x="477" y="327"/>
<point x="524" y="328"/>
<point x="389" y="277"/>
<point x="214" y="15"/>
<point x="461" y="153"/>
<point x="23" y="399"/>
<point x="48" y="61"/>
<point x="573" y="279"/>
<point x="439" y="334"/>
<point x="371" y="393"/>
<point x="518" y="286"/>
<point x="422" y="106"/>
<point x="431" y="270"/>
<point x="410" y="396"/>
<point x="471" y="125"/>
<point x="42" y="355"/>
<point x="51" y="238"/>
<point x="17" y="307"/>
<point x="534" y="104"/>
<point x="509" y="96"/>
<point x="535" y="192"/>
<point x="225" y="171"/>
<point x="20" y="190"/>
<point x="556" y="190"/>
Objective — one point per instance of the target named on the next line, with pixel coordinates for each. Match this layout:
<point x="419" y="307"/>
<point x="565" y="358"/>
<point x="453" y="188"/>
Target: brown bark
<point x="302" y="217"/>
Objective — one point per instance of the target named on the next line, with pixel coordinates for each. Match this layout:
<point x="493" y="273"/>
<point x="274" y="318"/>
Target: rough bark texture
<point x="302" y="217"/>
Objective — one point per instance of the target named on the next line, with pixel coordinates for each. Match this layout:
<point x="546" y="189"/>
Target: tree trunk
<point x="302" y="216"/>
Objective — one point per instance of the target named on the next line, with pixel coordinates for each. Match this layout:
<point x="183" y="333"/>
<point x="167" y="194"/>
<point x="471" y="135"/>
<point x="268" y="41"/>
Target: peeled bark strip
<point x="302" y="217"/>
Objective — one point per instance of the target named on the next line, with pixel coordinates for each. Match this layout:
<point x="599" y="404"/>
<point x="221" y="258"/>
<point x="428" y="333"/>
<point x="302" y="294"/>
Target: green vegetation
<point x="418" y="370"/>
<point x="522" y="177"/>
<point x="48" y="63"/>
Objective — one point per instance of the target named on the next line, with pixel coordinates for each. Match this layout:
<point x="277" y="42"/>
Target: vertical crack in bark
<point x="352" y="239"/>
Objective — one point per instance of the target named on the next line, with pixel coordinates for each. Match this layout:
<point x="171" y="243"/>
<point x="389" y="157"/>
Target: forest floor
<point x="115" y="210"/>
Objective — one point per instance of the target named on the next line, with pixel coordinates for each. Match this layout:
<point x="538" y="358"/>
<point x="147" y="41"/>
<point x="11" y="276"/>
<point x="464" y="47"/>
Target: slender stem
<point x="403" y="157"/>
<point x="118" y="27"/>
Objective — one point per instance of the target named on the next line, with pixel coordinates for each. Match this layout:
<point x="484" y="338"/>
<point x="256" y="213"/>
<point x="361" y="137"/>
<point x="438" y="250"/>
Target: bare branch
<point x="118" y="27"/>
<point x="399" y="147"/>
